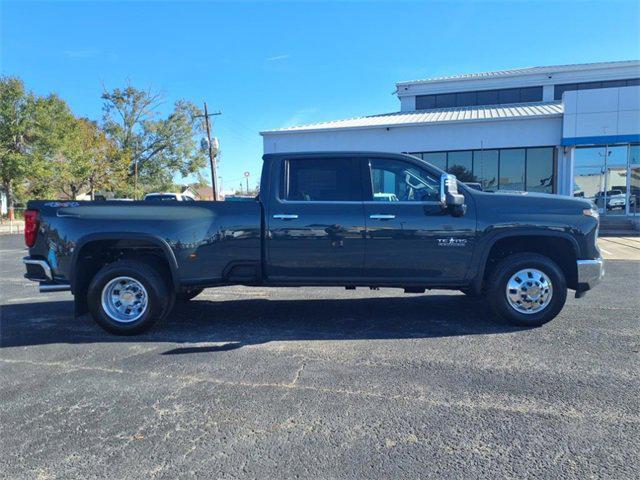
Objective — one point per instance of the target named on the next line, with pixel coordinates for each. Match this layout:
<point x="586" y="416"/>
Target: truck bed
<point x="204" y="241"/>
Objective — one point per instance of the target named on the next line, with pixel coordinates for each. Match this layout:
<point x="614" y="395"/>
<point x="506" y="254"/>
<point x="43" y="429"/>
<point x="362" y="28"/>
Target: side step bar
<point x="44" y="288"/>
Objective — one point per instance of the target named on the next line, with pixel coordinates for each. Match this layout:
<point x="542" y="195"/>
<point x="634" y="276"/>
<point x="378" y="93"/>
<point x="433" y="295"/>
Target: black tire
<point x="509" y="266"/>
<point x="188" y="294"/>
<point x="159" y="296"/>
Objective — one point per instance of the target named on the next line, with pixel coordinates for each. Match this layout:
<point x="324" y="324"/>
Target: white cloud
<point x="278" y="57"/>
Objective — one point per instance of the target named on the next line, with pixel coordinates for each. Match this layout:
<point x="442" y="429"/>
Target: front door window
<point x="394" y="181"/>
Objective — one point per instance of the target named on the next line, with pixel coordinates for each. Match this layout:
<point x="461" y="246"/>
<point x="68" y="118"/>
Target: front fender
<point x="486" y="244"/>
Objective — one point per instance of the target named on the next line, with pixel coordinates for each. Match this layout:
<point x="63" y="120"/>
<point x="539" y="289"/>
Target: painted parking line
<point x="616" y="248"/>
<point x="624" y="244"/>
<point x="631" y="242"/>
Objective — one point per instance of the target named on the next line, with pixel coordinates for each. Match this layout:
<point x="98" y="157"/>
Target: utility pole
<point x="246" y="177"/>
<point x="212" y="154"/>
<point x="135" y="180"/>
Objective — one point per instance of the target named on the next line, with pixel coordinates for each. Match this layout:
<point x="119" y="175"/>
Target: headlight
<point x="591" y="212"/>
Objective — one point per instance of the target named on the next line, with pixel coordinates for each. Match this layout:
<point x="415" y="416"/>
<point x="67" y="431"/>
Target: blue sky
<point x="268" y="65"/>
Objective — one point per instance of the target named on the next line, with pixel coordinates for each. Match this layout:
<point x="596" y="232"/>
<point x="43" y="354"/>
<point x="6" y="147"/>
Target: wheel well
<point x="96" y="254"/>
<point x="558" y="249"/>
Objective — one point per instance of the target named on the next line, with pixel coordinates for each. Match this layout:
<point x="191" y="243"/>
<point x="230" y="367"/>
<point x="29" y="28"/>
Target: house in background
<point x="198" y="193"/>
<point x="567" y="129"/>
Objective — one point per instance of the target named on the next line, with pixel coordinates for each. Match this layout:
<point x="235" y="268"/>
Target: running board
<point x="54" y="288"/>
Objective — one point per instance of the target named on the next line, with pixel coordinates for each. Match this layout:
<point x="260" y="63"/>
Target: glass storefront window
<point x="604" y="174"/>
<point x="588" y="183"/>
<point x="609" y="176"/>
<point x="539" y="170"/>
<point x="634" y="188"/>
<point x="439" y="159"/>
<point x="589" y="156"/>
<point x="461" y="165"/>
<point x="512" y="169"/>
<point x="507" y="169"/>
<point x="634" y="154"/>
<point x="485" y="168"/>
<point x="617" y="155"/>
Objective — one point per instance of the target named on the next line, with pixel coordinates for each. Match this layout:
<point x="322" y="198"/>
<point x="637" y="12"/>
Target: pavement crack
<point x="68" y="367"/>
<point x="515" y="405"/>
<point x="296" y="377"/>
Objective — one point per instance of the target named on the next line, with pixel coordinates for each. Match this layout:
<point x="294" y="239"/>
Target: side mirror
<point x="450" y="199"/>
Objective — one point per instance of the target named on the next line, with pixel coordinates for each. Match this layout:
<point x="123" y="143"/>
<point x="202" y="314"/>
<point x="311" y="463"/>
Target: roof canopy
<point x="440" y="115"/>
<point x="525" y="71"/>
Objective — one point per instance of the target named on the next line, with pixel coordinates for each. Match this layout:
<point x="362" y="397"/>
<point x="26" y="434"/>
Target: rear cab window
<point x="330" y="179"/>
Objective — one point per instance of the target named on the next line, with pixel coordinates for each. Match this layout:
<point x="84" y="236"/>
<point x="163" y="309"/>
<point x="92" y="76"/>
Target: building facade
<point x="568" y="129"/>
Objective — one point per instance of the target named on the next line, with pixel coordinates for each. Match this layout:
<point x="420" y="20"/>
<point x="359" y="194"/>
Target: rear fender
<point x="79" y="285"/>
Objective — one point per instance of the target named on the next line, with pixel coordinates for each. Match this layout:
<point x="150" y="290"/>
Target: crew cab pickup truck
<point x="321" y="219"/>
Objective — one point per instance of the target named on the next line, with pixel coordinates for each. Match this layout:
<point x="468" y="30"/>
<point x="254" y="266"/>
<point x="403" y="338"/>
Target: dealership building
<point x="566" y="129"/>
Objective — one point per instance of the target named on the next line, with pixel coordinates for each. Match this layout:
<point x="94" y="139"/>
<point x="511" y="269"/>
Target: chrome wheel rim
<point x="529" y="291"/>
<point x="124" y="299"/>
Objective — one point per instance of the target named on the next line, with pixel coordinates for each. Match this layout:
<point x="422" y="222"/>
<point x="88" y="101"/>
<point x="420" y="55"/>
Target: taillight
<point x="30" y="227"/>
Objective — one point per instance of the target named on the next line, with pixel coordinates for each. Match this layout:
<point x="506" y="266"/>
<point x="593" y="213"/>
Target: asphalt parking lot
<point x="322" y="383"/>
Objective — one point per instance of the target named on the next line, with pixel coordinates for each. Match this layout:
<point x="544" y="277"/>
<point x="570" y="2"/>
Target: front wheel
<point x="128" y="297"/>
<point x="527" y="289"/>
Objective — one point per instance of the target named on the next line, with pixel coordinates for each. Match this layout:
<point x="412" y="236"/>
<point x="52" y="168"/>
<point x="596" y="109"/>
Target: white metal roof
<point x="526" y="71"/>
<point x="440" y="115"/>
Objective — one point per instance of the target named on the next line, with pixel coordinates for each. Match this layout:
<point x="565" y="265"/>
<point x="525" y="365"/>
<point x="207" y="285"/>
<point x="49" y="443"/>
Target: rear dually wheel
<point x="128" y="297"/>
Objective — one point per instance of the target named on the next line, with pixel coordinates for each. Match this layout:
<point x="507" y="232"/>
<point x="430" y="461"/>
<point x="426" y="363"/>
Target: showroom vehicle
<point x="613" y="198"/>
<point x="319" y="221"/>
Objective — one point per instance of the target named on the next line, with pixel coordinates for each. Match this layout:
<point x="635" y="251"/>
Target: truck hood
<point x="531" y="202"/>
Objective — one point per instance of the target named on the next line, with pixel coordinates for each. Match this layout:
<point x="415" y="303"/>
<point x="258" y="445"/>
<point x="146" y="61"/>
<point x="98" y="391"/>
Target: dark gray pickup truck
<point x="356" y="219"/>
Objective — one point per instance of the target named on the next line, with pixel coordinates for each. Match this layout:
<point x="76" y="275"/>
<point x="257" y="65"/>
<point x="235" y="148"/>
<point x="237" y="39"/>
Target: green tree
<point x="16" y="133"/>
<point x="201" y="181"/>
<point x="157" y="148"/>
<point x="463" y="174"/>
<point x="87" y="161"/>
<point x="54" y="129"/>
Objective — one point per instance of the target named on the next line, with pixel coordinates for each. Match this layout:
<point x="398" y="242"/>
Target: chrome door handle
<point x="282" y="216"/>
<point x="382" y="217"/>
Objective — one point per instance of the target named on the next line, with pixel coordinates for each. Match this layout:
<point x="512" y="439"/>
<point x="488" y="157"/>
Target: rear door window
<point x="322" y="180"/>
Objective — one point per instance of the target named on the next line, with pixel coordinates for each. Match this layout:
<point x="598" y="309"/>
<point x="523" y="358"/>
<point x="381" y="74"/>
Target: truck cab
<point x="328" y="209"/>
